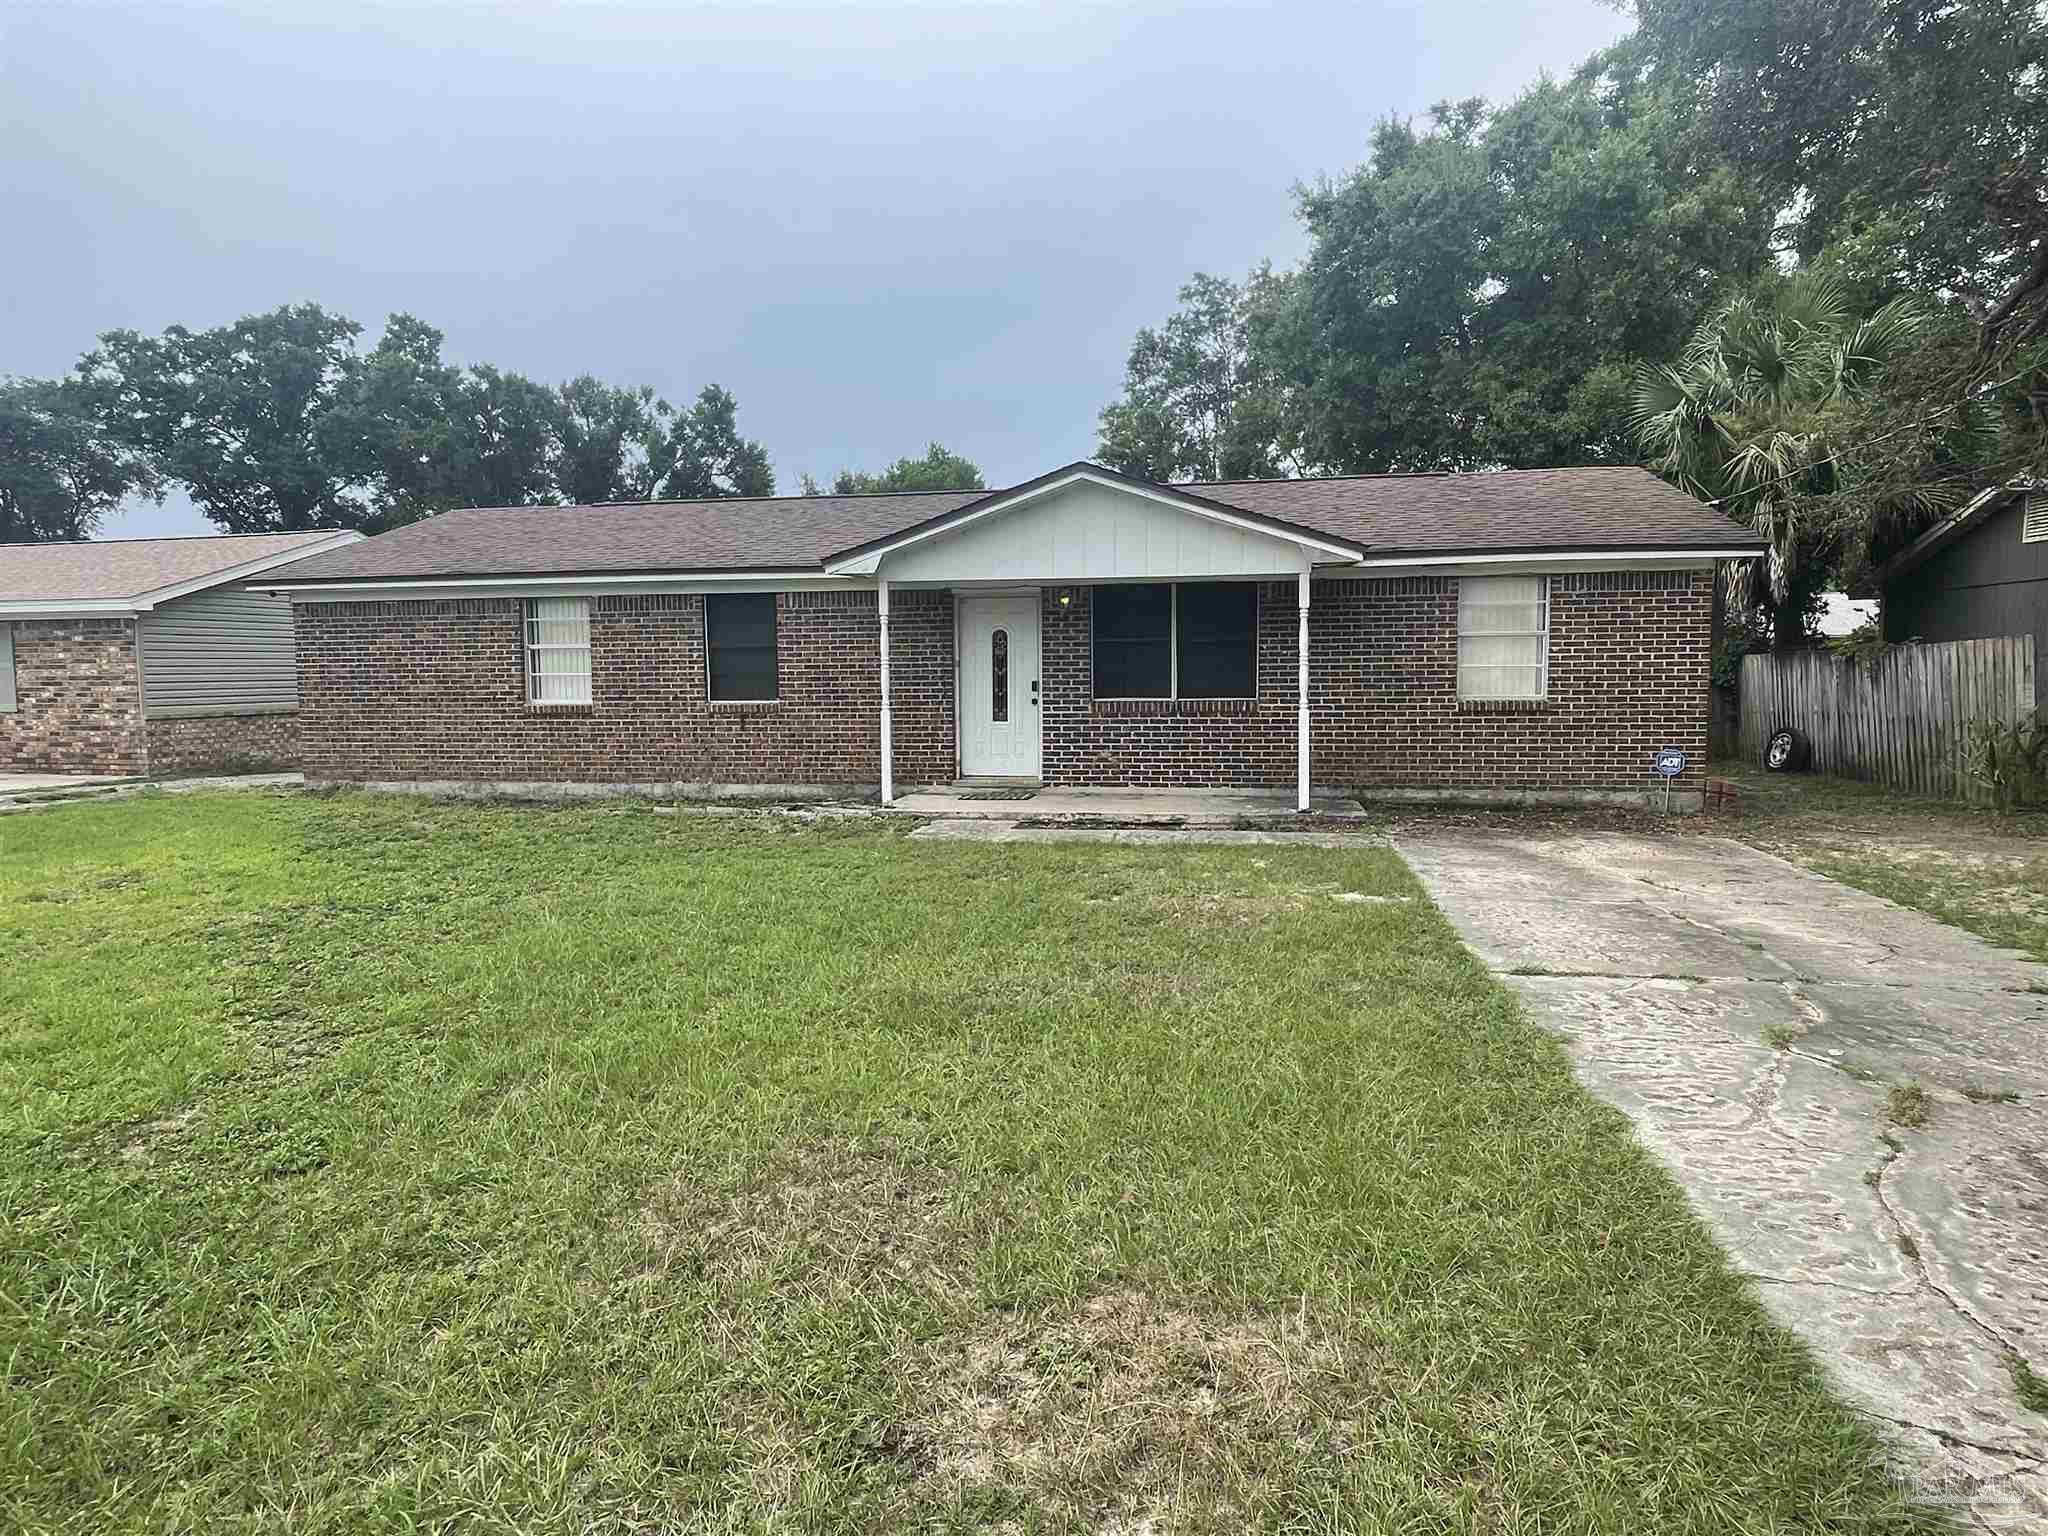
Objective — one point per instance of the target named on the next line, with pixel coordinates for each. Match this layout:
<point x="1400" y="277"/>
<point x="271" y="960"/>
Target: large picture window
<point x="1503" y="637"/>
<point x="558" y="650"/>
<point x="1177" y="640"/>
<point x="739" y="641"/>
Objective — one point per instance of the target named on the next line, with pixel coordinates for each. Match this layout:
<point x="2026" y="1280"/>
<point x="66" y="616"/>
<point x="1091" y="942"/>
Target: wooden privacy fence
<point x="1899" y="720"/>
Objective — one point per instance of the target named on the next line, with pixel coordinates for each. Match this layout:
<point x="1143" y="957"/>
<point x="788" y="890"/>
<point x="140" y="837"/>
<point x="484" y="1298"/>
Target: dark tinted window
<point x="1219" y="624"/>
<point x="739" y="632"/>
<point x="1133" y="642"/>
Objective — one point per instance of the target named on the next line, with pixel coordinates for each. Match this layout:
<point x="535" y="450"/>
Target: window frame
<point x="530" y="630"/>
<point x="774" y="650"/>
<point x="10" y="688"/>
<point x="1173" y="695"/>
<point x="1542" y="632"/>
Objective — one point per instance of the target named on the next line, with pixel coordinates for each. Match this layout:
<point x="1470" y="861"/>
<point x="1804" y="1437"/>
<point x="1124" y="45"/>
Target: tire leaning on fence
<point x="1785" y="751"/>
<point x="1900" y="719"/>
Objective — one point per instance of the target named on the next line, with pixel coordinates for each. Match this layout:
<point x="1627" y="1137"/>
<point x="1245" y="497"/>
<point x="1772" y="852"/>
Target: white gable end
<point x="1091" y="530"/>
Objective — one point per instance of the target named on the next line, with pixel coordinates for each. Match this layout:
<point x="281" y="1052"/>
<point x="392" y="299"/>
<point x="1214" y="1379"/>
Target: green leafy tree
<point x="939" y="469"/>
<point x="1752" y="418"/>
<point x="1197" y="405"/>
<point x="238" y="415"/>
<point x="59" y="471"/>
<point x="604" y="436"/>
<point x="1915" y="131"/>
<point x="424" y="435"/>
<point x="502" y="432"/>
<point x="699" y="455"/>
<point x="1478" y="293"/>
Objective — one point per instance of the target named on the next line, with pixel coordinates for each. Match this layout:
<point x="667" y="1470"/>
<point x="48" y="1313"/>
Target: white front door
<point x="999" y="687"/>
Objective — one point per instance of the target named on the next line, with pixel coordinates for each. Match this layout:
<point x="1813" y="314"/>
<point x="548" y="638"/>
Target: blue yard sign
<point x="1670" y="762"/>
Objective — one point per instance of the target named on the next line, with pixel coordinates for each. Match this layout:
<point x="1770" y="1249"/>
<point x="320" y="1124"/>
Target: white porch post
<point x="1301" y="720"/>
<point x="888" y="765"/>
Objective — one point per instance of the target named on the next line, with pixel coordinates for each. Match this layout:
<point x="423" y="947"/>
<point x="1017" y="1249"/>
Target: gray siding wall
<point x="219" y="653"/>
<point x="1988" y="583"/>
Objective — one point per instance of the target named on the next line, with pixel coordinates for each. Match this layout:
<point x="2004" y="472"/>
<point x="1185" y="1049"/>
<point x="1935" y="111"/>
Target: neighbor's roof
<point x="113" y="571"/>
<point x="1980" y="509"/>
<point x="1504" y="512"/>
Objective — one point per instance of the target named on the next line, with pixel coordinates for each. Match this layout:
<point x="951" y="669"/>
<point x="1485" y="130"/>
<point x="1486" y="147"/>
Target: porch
<point x="1161" y="807"/>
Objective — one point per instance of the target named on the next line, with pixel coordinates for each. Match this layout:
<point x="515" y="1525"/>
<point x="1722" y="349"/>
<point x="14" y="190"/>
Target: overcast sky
<point x="876" y="224"/>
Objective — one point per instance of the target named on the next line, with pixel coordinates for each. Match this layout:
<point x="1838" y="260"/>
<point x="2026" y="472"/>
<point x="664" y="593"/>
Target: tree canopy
<point x="939" y="469"/>
<point x="279" y="422"/>
<point x="59" y="473"/>
<point x="1504" y="286"/>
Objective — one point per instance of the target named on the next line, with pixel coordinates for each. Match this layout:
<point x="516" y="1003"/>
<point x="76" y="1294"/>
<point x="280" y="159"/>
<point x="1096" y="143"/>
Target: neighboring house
<point x="1978" y="574"/>
<point x="1842" y="614"/>
<point x="142" y="656"/>
<point x="1540" y="631"/>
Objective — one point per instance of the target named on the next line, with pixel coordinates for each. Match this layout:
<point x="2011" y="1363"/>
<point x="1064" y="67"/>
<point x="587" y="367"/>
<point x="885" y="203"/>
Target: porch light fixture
<point x="1066" y="597"/>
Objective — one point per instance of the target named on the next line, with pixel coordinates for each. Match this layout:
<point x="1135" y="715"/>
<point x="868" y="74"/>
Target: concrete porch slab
<point x="1167" y="807"/>
<point x="26" y="783"/>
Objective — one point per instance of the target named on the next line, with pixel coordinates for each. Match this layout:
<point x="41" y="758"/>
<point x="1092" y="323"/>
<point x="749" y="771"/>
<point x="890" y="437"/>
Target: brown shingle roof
<point x="116" y="569"/>
<point x="1504" y="511"/>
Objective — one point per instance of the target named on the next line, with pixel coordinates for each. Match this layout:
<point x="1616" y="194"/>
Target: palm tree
<point x="1750" y="418"/>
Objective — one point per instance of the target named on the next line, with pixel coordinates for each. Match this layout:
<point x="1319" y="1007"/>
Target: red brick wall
<point x="78" y="698"/>
<point x="437" y="691"/>
<point x="1628" y="675"/>
<point x="202" y="744"/>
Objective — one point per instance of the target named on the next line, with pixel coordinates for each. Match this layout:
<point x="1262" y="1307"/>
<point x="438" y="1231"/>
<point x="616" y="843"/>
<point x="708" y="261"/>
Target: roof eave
<point x="1948" y="530"/>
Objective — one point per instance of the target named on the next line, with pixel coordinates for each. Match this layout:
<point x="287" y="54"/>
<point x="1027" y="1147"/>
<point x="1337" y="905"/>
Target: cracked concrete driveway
<point x="1751" y="1019"/>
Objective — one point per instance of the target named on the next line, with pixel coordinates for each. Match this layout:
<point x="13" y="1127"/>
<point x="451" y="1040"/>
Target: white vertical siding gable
<point x="1094" y="532"/>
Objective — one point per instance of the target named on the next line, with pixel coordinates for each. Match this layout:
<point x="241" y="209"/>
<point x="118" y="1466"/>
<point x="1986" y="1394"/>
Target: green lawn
<point x="372" y="1164"/>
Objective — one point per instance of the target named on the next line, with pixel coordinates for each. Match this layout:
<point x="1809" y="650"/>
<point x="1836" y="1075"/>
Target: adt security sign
<point x="1670" y="762"/>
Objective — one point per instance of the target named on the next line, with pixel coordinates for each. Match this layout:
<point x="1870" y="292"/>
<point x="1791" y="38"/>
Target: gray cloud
<point x="876" y="224"/>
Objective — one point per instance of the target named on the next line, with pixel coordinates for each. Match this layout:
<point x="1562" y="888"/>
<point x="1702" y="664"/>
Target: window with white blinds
<point x="558" y="650"/>
<point x="1503" y="637"/>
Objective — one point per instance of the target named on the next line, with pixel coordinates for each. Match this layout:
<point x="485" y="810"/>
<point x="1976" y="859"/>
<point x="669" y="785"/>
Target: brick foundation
<point x="202" y="744"/>
<point x="435" y="692"/>
<point x="78" y="699"/>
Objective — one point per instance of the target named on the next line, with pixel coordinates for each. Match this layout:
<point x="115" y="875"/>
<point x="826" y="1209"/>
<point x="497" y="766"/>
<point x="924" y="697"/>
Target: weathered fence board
<point x="1899" y="720"/>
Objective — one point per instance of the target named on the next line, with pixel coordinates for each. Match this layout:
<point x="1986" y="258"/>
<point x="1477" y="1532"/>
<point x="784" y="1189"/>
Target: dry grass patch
<point x="144" y="1141"/>
<point x="1127" y="1413"/>
<point x="831" y="1216"/>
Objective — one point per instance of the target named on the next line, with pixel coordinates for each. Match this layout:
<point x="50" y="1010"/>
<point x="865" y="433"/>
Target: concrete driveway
<point x="1752" y="1019"/>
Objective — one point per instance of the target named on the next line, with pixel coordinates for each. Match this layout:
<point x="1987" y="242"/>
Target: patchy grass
<point x="1907" y="1104"/>
<point x="1964" y="865"/>
<point x="2032" y="1389"/>
<point x="374" y="1165"/>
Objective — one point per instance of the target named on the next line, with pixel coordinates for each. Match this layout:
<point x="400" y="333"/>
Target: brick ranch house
<point x="1522" y="634"/>
<point x="132" y="656"/>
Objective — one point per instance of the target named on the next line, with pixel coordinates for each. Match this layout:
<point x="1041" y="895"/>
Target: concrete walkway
<point x="1752" y="1019"/>
<point x="50" y="790"/>
<point x="28" y="783"/>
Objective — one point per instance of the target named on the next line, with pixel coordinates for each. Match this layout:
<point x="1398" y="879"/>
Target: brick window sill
<point x="1508" y="707"/>
<point x="1185" y="709"/>
<point x="561" y="711"/>
<point x="744" y="706"/>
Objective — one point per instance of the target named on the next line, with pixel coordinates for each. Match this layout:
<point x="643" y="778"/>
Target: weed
<point x="1908" y="1105"/>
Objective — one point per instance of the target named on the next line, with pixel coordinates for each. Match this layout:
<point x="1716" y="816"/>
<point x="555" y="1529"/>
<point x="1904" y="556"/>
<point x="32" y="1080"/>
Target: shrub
<point x="2011" y="760"/>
